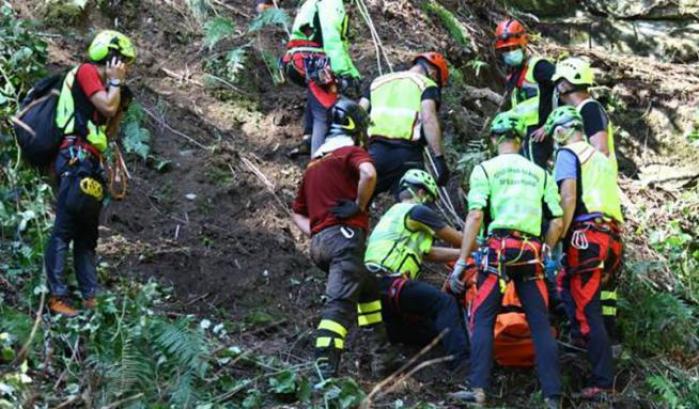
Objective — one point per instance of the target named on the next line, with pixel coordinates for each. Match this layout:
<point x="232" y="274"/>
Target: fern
<point x="271" y="17"/>
<point x="666" y="389"/>
<point x="200" y="9"/>
<point x="235" y="63"/>
<point x="216" y="30"/>
<point x="186" y="347"/>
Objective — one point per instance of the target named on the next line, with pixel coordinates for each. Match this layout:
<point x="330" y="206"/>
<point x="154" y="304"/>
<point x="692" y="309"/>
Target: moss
<point x="450" y="22"/>
<point x="63" y="13"/>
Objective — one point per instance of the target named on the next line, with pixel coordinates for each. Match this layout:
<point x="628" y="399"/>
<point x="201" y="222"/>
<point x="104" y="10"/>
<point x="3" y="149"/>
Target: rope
<point x="378" y="44"/>
<point x="445" y="205"/>
<point x="118" y="175"/>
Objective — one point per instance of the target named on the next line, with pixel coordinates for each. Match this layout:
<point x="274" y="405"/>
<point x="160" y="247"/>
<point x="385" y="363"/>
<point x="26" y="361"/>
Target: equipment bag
<point x="300" y="67"/>
<point x="35" y="123"/>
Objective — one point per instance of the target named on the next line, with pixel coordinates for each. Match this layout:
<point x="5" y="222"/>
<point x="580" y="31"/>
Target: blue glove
<point x="455" y="284"/>
<point x="551" y="267"/>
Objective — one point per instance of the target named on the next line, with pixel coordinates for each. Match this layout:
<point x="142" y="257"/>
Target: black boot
<point x="384" y="357"/>
<point x="328" y="362"/>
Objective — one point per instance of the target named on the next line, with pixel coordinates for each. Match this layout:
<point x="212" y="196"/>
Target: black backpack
<point x="35" y="123"/>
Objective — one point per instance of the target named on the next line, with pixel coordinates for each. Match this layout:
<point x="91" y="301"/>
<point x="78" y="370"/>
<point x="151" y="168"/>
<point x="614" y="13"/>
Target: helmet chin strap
<point x="416" y="197"/>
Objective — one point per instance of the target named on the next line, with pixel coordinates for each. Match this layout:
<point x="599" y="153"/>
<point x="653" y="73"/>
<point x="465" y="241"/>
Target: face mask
<point x="514" y="58"/>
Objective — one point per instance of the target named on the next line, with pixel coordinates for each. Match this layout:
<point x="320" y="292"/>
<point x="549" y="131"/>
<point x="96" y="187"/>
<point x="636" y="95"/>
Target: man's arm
<point x="450" y="235"/>
<point x="554" y="232"/>
<point x="474" y="221"/>
<point x="442" y="254"/>
<point x="302" y="222"/>
<point x="599" y="141"/>
<point x="332" y="20"/>
<point x="108" y="102"/>
<point x="431" y="127"/>
<point x="568" y="203"/>
<point x="367" y="183"/>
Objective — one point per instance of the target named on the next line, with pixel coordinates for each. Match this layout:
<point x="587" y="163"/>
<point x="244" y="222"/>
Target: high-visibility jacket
<point x="512" y="191"/>
<point x="598" y="190"/>
<point x="328" y="24"/>
<point x="610" y="135"/>
<point x="396" y="101"/>
<point x="526" y="94"/>
<point x="395" y="247"/>
<point x="74" y="117"/>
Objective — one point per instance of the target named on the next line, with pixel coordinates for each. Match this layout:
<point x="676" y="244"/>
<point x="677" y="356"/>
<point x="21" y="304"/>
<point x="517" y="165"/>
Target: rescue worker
<point x="529" y="83"/>
<point x="404" y="114"/>
<point x="414" y="311"/>
<point x="592" y="229"/>
<point x="513" y="194"/>
<point x="89" y="101"/>
<point x="331" y="207"/>
<point x="318" y="57"/>
<point x="573" y="79"/>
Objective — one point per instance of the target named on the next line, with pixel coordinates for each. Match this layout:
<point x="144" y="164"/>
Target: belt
<point x="71" y="140"/>
<point x="504" y="233"/>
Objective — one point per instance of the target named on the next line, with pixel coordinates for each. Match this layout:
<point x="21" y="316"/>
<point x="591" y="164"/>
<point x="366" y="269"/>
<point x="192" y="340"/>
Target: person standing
<point x="90" y="97"/>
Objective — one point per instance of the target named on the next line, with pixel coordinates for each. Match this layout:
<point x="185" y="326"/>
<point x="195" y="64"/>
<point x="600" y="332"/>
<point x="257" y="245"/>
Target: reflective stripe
<point x="368" y="307"/>
<point x="369" y="319"/>
<point x="339" y="343"/>
<point x="323" y="342"/>
<point x="333" y="326"/>
<point x="609" y="311"/>
<point x="608" y="295"/>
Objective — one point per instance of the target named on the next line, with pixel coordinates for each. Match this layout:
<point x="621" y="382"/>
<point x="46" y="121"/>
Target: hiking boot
<point x="595" y="393"/>
<point x="328" y="363"/>
<point x="384" y="357"/>
<point x="90" y="303"/>
<point x="552" y="403"/>
<point x="59" y="305"/>
<point x="473" y="395"/>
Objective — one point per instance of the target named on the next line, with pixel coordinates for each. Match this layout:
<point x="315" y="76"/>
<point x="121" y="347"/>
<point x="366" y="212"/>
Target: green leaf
<point x="216" y="30"/>
<point x="284" y="383"/>
<point x="135" y="139"/>
<point x="235" y="62"/>
<point x="270" y="17"/>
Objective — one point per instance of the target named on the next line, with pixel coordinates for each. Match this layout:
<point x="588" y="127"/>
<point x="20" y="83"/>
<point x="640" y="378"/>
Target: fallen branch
<point x="181" y="76"/>
<point x="417" y="368"/>
<point x="235" y="10"/>
<point x="121" y="402"/>
<point x="265" y="181"/>
<point x="366" y="403"/>
<point x="22" y="355"/>
<point x="164" y="124"/>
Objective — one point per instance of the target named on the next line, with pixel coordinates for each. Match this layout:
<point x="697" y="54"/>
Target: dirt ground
<point x="215" y="224"/>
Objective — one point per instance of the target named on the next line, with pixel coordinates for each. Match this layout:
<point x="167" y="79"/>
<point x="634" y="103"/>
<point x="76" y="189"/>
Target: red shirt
<point x="88" y="77"/>
<point x="328" y="180"/>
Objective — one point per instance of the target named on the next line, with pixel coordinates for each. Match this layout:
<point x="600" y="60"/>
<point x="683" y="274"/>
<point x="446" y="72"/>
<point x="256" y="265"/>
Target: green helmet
<point x="419" y="178"/>
<point x="566" y="116"/>
<point x="576" y="70"/>
<point x="108" y="40"/>
<point x="508" y="124"/>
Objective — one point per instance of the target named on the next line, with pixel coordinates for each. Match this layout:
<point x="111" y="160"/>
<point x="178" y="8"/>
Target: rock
<point x="542" y="8"/>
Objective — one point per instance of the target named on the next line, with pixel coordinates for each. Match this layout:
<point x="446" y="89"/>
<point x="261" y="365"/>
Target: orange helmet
<point x="510" y="33"/>
<point x="438" y="61"/>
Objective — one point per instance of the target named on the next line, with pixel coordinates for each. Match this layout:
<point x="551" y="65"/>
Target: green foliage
<point x="22" y="59"/>
<point x="64" y="13"/>
<point x="675" y="388"/>
<point x="228" y="66"/>
<point x="271" y="17"/>
<point x="216" y="30"/>
<point x="200" y="9"/>
<point x="477" y="65"/>
<point x="450" y="22"/>
<point x="657" y="322"/>
<point x="135" y="138"/>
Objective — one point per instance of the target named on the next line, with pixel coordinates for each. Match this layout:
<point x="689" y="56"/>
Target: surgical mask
<point x="514" y="58"/>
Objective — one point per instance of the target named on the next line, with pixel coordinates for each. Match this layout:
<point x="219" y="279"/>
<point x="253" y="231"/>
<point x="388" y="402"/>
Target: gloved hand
<point x="345" y="209"/>
<point x="551" y="267"/>
<point x="455" y="284"/>
<point x="349" y="86"/>
<point x="442" y="170"/>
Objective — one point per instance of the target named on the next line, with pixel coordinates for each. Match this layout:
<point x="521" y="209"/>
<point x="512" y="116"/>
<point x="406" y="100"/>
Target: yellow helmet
<point x="575" y="70"/>
<point x="111" y="40"/>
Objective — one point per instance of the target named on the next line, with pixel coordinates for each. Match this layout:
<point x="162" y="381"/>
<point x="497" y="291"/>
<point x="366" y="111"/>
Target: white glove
<point x="455" y="284"/>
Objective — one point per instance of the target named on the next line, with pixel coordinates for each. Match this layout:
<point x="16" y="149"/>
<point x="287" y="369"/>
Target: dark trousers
<point x="316" y="121"/>
<point x="537" y="152"/>
<point x="75" y="223"/>
<point x="485" y="309"/>
<point x="351" y="290"/>
<point x="392" y="160"/>
<point x="415" y="313"/>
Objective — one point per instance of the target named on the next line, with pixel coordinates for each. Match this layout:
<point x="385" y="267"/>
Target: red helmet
<point x="510" y="33"/>
<point x="439" y="62"/>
